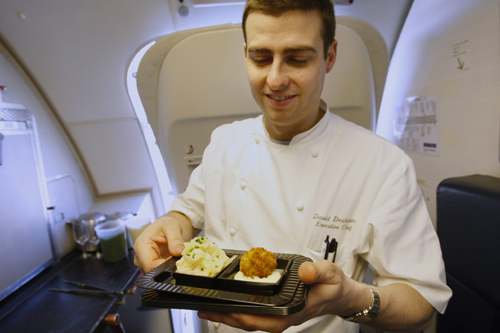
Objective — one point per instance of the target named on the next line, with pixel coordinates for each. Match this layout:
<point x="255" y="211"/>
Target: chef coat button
<point x="257" y="140"/>
<point x="232" y="231"/>
<point x="216" y="325"/>
<point x="299" y="205"/>
<point x="243" y="185"/>
<point x="314" y="153"/>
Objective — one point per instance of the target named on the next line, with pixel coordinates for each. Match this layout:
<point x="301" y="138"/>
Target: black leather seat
<point x="468" y="226"/>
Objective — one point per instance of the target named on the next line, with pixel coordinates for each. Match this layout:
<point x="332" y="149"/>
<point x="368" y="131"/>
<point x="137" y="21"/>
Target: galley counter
<point x="35" y="308"/>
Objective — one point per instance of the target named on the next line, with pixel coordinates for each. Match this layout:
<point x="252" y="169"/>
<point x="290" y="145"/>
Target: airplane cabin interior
<point x="106" y="108"/>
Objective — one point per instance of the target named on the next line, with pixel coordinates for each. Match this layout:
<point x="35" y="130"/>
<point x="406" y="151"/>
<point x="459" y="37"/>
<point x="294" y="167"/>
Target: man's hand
<point x="161" y="240"/>
<point x="332" y="292"/>
<point x="326" y="295"/>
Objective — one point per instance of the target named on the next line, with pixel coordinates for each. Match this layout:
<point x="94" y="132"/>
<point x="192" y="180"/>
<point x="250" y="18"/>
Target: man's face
<point x="286" y="68"/>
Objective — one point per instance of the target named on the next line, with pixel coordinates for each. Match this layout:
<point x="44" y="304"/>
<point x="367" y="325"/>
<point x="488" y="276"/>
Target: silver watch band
<point x="368" y="313"/>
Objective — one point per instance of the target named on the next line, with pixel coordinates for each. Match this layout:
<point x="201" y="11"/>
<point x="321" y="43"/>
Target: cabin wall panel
<point x="57" y="154"/>
<point x="121" y="163"/>
<point x="468" y="114"/>
<point x="25" y="239"/>
<point x="78" y="54"/>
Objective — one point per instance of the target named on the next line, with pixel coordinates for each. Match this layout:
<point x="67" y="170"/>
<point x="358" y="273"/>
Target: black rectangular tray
<point x="163" y="291"/>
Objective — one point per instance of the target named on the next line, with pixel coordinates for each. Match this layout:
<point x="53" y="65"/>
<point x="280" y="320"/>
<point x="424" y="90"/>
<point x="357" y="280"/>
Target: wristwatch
<point x="368" y="313"/>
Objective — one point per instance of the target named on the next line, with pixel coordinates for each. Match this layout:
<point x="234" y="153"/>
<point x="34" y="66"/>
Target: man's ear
<point x="245" y="50"/>
<point x="331" y="56"/>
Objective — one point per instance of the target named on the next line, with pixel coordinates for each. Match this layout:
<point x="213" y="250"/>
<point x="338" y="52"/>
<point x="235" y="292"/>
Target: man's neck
<point x="286" y="133"/>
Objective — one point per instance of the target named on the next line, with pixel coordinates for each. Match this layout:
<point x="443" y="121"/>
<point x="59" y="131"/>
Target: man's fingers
<point x="248" y="322"/>
<point x="322" y="271"/>
<point x="175" y="246"/>
<point x="152" y="246"/>
<point x="147" y="254"/>
<point x="167" y="235"/>
<point x="308" y="273"/>
<point x="175" y="241"/>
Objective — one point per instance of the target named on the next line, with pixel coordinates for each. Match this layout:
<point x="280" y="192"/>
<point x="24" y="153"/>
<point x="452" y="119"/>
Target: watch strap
<point x="370" y="312"/>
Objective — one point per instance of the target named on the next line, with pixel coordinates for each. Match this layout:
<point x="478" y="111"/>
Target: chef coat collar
<point x="308" y="135"/>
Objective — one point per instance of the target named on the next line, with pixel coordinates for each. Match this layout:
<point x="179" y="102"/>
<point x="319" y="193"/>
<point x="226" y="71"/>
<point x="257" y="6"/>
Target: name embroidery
<point x="336" y="223"/>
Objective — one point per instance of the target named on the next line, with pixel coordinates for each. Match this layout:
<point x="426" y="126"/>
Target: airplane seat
<point x="192" y="81"/>
<point x="468" y="226"/>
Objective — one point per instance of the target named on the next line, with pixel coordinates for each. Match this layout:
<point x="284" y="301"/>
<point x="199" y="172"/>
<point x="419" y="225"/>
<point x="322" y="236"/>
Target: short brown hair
<point x="278" y="7"/>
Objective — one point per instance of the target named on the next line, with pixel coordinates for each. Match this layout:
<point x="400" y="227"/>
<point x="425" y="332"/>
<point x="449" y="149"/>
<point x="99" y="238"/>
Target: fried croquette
<point x="258" y="262"/>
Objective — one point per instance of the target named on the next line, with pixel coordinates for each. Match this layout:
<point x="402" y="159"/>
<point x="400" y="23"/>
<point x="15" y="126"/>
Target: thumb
<point x="322" y="271"/>
<point x="174" y="239"/>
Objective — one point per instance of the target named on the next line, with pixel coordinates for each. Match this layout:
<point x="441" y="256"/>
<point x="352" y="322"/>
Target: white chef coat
<point x="336" y="179"/>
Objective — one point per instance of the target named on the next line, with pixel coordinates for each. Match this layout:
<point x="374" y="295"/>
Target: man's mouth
<point x="279" y="98"/>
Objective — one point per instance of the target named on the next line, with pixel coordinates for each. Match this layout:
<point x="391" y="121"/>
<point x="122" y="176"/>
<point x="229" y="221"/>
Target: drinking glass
<point x="81" y="234"/>
<point x="95" y="240"/>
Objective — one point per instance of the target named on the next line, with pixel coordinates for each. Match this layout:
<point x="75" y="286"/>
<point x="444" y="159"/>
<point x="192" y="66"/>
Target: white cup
<point x="113" y="240"/>
<point x="135" y="226"/>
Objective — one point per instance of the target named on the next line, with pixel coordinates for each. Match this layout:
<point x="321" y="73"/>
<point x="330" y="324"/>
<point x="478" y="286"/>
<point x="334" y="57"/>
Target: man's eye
<point x="261" y="61"/>
<point x="298" y="62"/>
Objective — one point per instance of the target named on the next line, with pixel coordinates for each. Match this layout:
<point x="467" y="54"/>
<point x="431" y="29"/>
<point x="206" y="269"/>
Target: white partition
<point x="192" y="81"/>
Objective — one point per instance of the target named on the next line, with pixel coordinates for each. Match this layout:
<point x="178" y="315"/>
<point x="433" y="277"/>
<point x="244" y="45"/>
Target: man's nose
<point x="277" y="78"/>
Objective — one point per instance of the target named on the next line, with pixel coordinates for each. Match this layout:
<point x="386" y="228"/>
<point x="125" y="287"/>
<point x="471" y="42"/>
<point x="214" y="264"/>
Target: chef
<point x="297" y="179"/>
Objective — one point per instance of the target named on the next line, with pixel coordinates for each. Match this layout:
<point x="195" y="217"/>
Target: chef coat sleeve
<point x="404" y="245"/>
